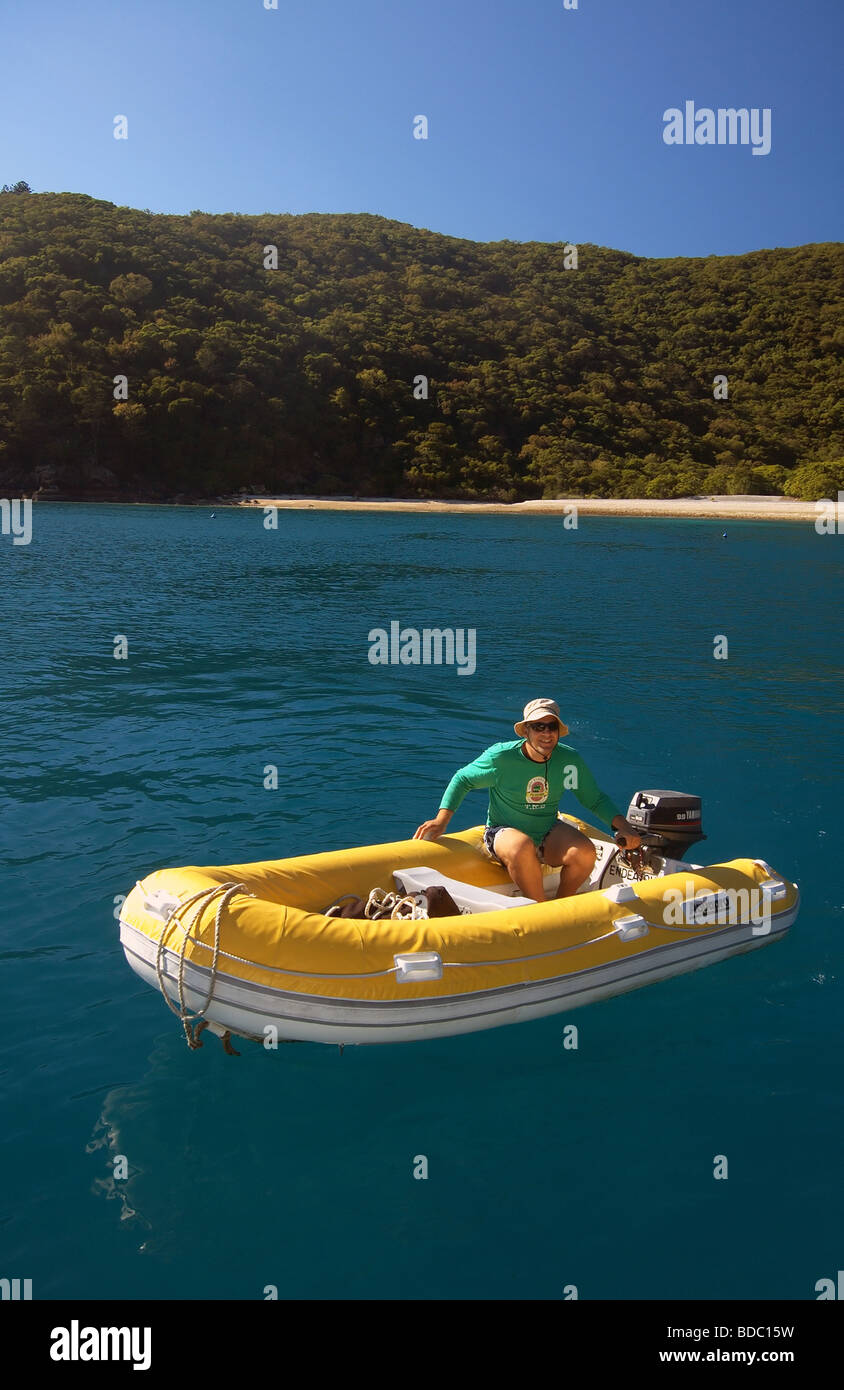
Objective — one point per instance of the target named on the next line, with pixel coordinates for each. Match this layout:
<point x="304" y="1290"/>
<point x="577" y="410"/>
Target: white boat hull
<point x="263" y="1014"/>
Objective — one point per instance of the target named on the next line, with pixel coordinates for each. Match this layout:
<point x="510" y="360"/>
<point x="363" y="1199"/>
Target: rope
<point x="382" y="903"/>
<point x="399" y="908"/>
<point x="344" y="897"/>
<point x="203" y="899"/>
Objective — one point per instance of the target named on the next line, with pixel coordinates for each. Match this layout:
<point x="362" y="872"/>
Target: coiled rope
<point x="382" y="903"/>
<point x="399" y="907"/>
<point x="202" y="899"/>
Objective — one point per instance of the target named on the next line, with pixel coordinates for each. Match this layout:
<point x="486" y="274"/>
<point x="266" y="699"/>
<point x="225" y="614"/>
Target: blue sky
<point x="545" y="124"/>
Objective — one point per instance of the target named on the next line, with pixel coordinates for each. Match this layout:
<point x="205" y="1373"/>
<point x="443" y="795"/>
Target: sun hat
<point x="540" y="709"/>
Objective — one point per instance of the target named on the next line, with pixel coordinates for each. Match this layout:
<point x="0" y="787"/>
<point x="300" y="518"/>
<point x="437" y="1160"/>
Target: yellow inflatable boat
<point x="248" y="949"/>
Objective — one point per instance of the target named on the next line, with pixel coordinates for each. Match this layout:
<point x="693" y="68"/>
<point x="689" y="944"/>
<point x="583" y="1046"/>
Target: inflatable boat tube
<point x="249" y="949"/>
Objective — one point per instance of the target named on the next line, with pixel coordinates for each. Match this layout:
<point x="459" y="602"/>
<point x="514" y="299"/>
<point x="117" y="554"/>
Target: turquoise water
<point x="547" y="1167"/>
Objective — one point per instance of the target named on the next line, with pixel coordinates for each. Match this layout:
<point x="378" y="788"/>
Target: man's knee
<point x="516" y="848"/>
<point x="580" y="854"/>
<point x="580" y="860"/>
<point x="585" y="856"/>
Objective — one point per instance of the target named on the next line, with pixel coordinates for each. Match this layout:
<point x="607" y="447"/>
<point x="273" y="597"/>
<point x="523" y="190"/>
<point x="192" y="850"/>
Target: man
<point x="522" y="829"/>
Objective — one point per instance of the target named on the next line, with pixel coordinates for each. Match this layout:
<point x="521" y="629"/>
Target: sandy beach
<point x="744" y="508"/>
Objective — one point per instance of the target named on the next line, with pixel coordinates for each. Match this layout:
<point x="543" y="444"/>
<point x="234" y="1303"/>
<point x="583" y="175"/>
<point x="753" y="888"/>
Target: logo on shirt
<point x="536" y="792"/>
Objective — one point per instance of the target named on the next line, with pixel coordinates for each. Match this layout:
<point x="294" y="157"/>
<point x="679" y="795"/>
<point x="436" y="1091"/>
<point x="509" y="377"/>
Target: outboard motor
<point x="669" y="822"/>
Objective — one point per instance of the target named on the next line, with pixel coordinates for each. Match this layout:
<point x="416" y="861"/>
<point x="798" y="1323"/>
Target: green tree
<point x="540" y="380"/>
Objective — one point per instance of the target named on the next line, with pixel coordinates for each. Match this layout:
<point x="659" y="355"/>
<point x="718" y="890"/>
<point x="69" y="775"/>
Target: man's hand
<point x="626" y="835"/>
<point x="429" y="830"/>
<point x="432" y="829"/>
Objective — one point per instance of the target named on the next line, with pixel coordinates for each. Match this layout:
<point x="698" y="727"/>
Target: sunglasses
<point x="541" y="728"/>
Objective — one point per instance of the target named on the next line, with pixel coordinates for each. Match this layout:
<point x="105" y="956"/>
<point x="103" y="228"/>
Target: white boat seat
<point x="466" y="895"/>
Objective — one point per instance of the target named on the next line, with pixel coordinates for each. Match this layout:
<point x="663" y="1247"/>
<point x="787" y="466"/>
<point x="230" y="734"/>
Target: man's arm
<point x="432" y="829"/>
<point x="483" y="772"/>
<point x="589" y="794"/>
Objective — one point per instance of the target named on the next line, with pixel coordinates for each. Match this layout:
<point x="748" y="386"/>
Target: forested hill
<point x="541" y="379"/>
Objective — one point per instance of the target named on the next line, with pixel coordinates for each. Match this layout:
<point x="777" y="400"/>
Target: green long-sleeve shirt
<point x="519" y="795"/>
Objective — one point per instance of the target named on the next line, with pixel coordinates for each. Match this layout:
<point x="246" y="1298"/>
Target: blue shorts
<point x="488" y="842"/>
